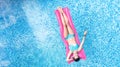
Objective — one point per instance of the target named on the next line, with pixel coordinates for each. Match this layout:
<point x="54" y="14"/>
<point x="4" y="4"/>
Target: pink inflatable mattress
<point x="66" y="11"/>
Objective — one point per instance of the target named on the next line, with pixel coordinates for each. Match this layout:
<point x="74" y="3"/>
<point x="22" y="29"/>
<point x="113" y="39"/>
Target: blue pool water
<point x="30" y="36"/>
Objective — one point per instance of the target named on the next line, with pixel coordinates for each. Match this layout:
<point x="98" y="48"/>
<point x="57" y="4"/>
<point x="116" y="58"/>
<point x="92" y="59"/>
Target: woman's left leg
<point x="63" y="22"/>
<point x="66" y="22"/>
<point x="69" y="29"/>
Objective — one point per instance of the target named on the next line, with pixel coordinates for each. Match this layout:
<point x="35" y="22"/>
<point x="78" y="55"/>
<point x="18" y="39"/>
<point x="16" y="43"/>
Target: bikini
<point x="72" y="47"/>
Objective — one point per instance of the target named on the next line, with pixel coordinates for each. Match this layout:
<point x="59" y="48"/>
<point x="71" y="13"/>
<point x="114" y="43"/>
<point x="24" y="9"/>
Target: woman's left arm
<point x="69" y="59"/>
<point x="68" y="56"/>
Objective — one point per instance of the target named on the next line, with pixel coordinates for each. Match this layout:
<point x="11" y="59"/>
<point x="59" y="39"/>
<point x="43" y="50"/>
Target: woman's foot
<point x="61" y="15"/>
<point x="85" y="33"/>
<point x="60" y="9"/>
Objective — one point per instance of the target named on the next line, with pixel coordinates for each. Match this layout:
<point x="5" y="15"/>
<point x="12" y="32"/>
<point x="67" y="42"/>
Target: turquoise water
<point x="30" y="36"/>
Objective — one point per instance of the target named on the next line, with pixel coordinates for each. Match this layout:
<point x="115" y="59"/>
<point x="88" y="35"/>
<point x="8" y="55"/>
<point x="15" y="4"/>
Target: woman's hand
<point x="85" y="33"/>
<point x="68" y="60"/>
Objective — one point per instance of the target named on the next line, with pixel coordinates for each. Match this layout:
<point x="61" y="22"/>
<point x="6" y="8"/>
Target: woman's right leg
<point x="69" y="29"/>
<point x="63" y="22"/>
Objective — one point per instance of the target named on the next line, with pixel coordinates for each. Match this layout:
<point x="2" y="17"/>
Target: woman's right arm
<point x="83" y="40"/>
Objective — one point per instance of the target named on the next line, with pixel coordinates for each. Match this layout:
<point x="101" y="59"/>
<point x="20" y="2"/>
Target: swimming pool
<point x="30" y="36"/>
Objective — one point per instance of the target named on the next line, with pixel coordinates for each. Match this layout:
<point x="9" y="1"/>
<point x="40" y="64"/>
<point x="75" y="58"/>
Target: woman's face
<point x="75" y="54"/>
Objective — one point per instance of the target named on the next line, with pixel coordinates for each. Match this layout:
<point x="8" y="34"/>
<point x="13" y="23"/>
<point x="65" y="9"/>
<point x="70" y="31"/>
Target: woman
<point x="70" y="37"/>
